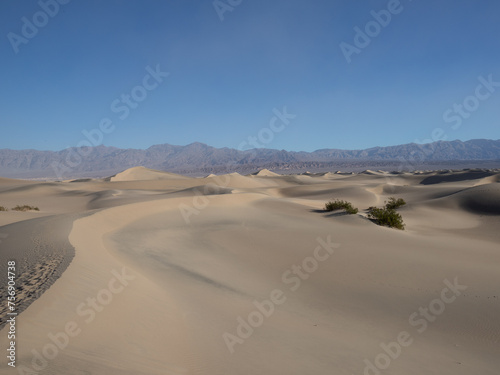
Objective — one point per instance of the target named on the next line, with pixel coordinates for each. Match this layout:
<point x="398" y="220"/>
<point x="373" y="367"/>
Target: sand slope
<point x="166" y="269"/>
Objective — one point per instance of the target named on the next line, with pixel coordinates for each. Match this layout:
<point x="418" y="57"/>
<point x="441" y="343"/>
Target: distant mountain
<point x="199" y="159"/>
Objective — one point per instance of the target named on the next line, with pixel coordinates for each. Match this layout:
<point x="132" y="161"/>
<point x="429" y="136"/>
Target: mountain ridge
<point x="198" y="158"/>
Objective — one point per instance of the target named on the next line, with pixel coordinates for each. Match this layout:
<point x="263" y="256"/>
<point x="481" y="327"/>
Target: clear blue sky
<point x="226" y="77"/>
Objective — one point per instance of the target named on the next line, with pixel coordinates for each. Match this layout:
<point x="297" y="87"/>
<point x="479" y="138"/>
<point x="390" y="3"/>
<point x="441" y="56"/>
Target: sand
<point x="149" y="272"/>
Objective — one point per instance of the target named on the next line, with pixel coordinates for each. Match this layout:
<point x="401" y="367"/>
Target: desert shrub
<point x="341" y="205"/>
<point x="387" y="217"/>
<point x="394" y="203"/>
<point x="25" y="208"/>
<point x="2" y="208"/>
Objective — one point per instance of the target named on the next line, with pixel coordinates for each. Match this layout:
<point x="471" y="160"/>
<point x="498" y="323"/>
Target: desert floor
<point x="149" y="272"/>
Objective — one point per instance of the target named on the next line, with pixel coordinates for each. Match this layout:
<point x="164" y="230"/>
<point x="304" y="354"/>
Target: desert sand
<point x="148" y="272"/>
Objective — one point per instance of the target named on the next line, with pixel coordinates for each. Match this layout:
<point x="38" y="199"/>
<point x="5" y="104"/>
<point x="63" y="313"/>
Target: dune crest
<point x="143" y="174"/>
<point x="265" y="173"/>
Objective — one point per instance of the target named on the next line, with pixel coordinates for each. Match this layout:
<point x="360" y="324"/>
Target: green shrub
<point x="394" y="203"/>
<point x="341" y="205"/>
<point x="25" y="208"/>
<point x="2" y="208"/>
<point x="386" y="217"/>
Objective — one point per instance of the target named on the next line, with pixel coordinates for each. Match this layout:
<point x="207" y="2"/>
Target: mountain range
<point x="197" y="159"/>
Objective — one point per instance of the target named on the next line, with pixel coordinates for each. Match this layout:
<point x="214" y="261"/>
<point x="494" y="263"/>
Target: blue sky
<point x="227" y="76"/>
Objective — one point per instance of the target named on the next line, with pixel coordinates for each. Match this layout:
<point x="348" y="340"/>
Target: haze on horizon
<point x="294" y="75"/>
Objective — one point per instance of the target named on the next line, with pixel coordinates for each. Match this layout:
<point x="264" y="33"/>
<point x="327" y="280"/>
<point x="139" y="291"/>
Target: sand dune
<point x="449" y="176"/>
<point x="143" y="173"/>
<point x="156" y="273"/>
<point x="483" y="199"/>
<point x="235" y="180"/>
<point x="265" y="173"/>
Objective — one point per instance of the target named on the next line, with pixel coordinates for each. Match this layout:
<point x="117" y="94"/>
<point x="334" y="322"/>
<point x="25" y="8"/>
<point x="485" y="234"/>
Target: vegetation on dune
<point x="387" y="216"/>
<point x="341" y="205"/>
<point x="394" y="203"/>
<point x="2" y="208"/>
<point x="25" y="208"/>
